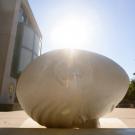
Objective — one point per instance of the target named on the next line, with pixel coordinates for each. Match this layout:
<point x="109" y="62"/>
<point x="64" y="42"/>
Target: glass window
<point x="28" y="37"/>
<point x="36" y="45"/>
<point x="25" y="59"/>
<point x="27" y="45"/>
<point x="22" y="16"/>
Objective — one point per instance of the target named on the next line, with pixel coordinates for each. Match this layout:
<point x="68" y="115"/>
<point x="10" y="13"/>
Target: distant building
<point x="20" y="44"/>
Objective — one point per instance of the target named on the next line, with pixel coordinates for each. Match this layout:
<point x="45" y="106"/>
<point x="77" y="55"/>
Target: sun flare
<point x="70" y="33"/>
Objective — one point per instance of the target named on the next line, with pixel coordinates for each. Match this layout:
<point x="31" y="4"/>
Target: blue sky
<point x="113" y="22"/>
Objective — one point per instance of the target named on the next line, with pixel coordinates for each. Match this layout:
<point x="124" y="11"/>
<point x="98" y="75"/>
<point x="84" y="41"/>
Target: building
<point x="20" y="43"/>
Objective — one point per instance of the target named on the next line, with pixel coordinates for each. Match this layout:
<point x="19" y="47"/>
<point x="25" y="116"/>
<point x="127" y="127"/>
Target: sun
<point x="70" y="33"/>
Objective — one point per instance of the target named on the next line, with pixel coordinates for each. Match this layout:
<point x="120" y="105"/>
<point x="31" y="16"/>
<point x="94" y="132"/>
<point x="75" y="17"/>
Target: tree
<point x="129" y="99"/>
<point x="131" y="91"/>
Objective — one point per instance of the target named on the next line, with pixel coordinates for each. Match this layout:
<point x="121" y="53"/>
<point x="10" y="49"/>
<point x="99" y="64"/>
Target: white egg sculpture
<point x="71" y="88"/>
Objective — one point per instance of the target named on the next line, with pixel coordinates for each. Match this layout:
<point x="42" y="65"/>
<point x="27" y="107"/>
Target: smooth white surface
<point x="67" y="88"/>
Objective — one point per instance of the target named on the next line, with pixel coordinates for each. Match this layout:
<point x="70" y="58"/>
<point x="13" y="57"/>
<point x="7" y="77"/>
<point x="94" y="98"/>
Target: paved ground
<point x="126" y="115"/>
<point x="21" y="119"/>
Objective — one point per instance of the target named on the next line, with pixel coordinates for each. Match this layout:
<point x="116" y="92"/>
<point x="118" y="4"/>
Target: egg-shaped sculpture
<point x="71" y="88"/>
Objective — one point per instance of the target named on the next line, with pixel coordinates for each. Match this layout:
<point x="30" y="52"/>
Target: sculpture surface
<point x="71" y="88"/>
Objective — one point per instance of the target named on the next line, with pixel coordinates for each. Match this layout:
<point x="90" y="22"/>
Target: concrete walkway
<point x="123" y="117"/>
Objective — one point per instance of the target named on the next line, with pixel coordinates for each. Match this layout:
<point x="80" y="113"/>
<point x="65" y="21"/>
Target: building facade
<point x="20" y="44"/>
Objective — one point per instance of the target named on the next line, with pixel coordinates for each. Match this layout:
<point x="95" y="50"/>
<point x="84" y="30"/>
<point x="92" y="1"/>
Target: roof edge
<point x="31" y="17"/>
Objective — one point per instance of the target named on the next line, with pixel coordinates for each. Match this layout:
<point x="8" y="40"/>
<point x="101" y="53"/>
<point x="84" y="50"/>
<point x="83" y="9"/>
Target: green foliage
<point x="131" y="91"/>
